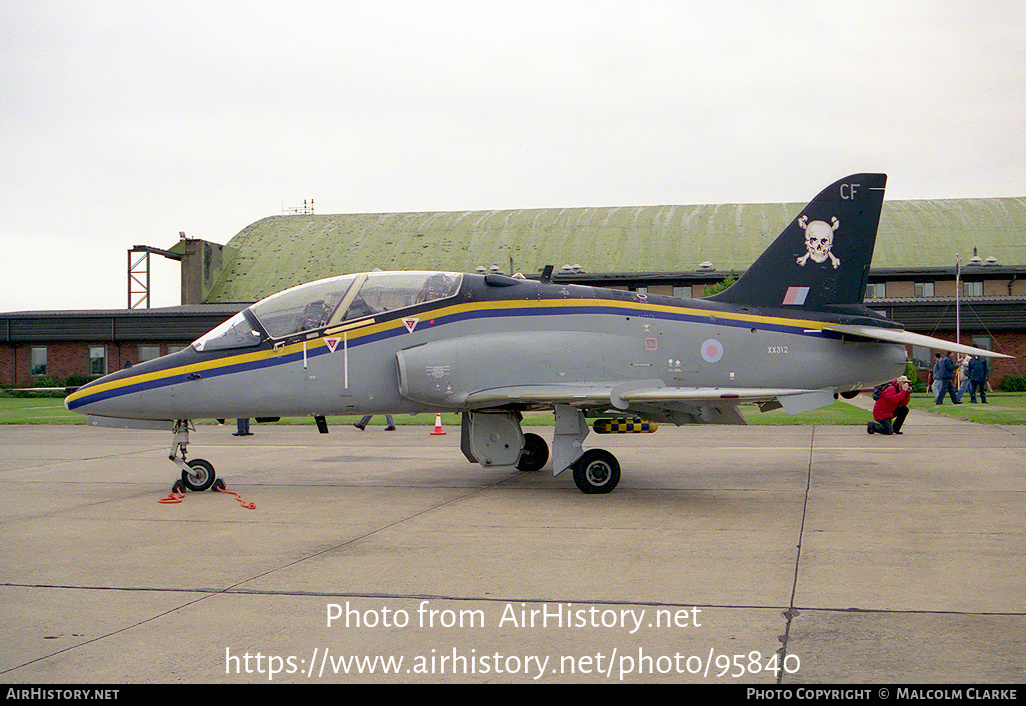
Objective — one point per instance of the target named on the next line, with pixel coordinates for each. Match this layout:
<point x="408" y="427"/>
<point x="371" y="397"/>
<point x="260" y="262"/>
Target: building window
<point x="983" y="342"/>
<point x="682" y="292"/>
<point x="876" y="290"/>
<point x="641" y="290"/>
<point x="97" y="360"/>
<point x="924" y="289"/>
<point x="37" y="361"/>
<point x="922" y="357"/>
<point x="147" y="353"/>
<point x="972" y="289"/>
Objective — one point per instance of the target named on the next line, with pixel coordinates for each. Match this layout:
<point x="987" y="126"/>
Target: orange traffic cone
<point x="438" y="425"/>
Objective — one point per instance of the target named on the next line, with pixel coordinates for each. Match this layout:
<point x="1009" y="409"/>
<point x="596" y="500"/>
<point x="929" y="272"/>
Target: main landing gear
<point x="197" y="474"/>
<point x="496" y="439"/>
<point x="596" y="471"/>
<point x="534" y="454"/>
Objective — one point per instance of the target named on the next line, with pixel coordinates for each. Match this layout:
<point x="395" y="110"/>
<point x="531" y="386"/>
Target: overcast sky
<point x="124" y="123"/>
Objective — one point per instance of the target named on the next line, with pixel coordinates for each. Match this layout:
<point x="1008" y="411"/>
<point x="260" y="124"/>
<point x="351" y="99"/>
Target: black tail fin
<point x="822" y="259"/>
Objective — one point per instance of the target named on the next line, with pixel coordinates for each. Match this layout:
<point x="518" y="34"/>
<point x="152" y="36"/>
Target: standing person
<point x="891" y="408"/>
<point x="242" y="426"/>
<point x="963" y="376"/>
<point x="943" y="376"/>
<point x="362" y="424"/>
<point x="978" y="375"/>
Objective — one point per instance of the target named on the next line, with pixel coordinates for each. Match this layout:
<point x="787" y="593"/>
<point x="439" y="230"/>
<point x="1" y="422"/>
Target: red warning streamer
<point x="176" y="497"/>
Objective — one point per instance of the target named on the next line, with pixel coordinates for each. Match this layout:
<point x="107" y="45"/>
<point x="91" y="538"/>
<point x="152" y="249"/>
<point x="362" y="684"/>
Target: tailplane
<point x="821" y="260"/>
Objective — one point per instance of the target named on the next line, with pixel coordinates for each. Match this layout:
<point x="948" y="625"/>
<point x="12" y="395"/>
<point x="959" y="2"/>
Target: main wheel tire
<point x="201" y="477"/>
<point x="534" y="455"/>
<point x="596" y="471"/>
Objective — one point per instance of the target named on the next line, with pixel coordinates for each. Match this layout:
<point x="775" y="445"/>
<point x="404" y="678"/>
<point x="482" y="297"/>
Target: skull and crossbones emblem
<point x="819" y="238"/>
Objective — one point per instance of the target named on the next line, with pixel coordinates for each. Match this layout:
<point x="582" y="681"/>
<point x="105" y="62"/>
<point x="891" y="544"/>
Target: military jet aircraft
<point x="792" y="332"/>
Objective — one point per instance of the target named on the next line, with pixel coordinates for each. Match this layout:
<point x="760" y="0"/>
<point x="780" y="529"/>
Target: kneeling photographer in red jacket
<point x="891" y="407"/>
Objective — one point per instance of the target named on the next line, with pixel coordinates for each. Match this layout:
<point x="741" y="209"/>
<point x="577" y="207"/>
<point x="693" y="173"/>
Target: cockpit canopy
<point x="329" y="302"/>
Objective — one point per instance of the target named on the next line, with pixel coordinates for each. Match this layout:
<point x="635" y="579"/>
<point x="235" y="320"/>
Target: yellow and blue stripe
<point x="168" y="371"/>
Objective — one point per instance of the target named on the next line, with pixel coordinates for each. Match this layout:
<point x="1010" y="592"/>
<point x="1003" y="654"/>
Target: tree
<point x="720" y="286"/>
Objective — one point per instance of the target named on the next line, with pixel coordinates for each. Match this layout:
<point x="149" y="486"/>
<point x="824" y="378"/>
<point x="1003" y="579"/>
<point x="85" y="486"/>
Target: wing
<point x="915" y="339"/>
<point x="653" y="400"/>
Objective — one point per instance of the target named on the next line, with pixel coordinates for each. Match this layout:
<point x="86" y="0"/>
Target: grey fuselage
<point x="494" y="333"/>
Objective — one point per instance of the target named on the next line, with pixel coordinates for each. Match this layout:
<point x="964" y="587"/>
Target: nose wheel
<point x="200" y="475"/>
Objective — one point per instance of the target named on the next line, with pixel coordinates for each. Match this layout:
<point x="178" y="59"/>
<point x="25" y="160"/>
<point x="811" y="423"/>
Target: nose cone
<point x="132" y="393"/>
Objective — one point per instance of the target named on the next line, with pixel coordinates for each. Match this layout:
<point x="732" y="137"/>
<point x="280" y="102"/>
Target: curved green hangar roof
<point x="281" y="251"/>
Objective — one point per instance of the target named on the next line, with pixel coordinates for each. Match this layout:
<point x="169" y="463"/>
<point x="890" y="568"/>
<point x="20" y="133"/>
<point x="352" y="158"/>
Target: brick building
<point x="44" y="345"/>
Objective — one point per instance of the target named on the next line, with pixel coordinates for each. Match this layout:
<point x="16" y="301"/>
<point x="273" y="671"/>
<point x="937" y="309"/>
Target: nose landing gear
<point x="197" y="474"/>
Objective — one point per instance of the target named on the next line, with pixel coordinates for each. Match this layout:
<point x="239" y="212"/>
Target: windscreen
<point x="236" y="332"/>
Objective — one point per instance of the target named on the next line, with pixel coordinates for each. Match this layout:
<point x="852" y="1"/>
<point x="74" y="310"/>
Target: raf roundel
<point x="712" y="351"/>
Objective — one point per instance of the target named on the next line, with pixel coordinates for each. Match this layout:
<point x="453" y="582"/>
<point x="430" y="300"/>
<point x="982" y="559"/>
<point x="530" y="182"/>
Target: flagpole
<point x="958" y="301"/>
